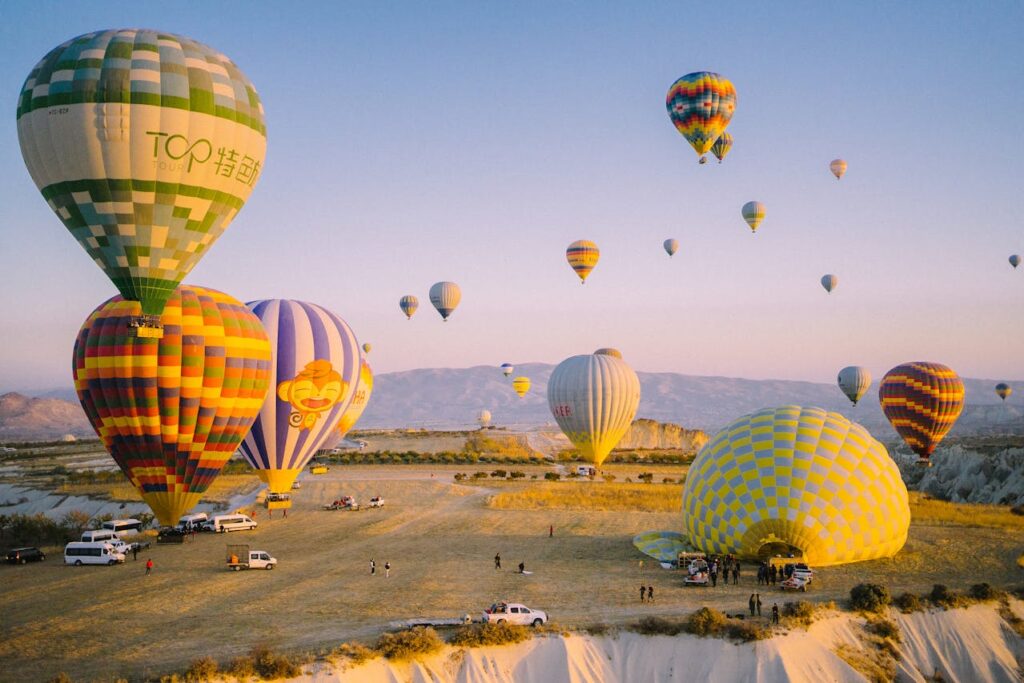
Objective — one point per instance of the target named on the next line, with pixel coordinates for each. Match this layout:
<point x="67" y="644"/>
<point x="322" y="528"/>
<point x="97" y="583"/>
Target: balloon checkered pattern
<point x="800" y="476"/>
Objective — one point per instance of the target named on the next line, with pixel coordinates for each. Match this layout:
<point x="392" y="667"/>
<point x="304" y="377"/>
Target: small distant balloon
<point x="408" y="304"/>
<point x="445" y="297"/>
<point x="722" y="146"/>
<point x="582" y="255"/>
<point x="1003" y="390"/>
<point x="507" y="369"/>
<point x="854" y="381"/>
<point x="671" y="246"/>
<point x="753" y="214"/>
<point x="484" y="417"/>
<point x="829" y="282"/>
<point x="838" y="168"/>
<point x="1015" y="260"/>
<point x="521" y="385"/>
<point x="367" y="347"/>
<point x="608" y="351"/>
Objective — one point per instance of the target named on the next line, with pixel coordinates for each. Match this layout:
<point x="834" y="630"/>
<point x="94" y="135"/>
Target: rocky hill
<point x="30" y="419"/>
<point x="644" y="433"/>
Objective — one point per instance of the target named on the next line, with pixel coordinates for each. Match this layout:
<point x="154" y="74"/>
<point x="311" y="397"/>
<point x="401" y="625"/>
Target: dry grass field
<point x="98" y="623"/>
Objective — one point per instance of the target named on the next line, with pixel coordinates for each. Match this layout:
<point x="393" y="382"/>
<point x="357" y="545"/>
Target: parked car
<point x="514" y="613"/>
<point x="171" y="534"/>
<point x="802" y="571"/>
<point x="795" y="583"/>
<point x="343" y="503"/>
<point x="23" y="555"/>
<point x="377" y="502"/>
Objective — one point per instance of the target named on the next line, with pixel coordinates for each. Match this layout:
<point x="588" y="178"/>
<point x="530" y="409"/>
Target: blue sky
<point x="415" y="142"/>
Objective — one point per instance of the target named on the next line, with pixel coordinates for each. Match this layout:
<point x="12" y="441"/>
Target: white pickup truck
<point x="240" y="557"/>
<point x="514" y="613"/>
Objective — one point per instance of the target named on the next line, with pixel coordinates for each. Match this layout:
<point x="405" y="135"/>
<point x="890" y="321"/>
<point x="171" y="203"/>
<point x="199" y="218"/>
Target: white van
<point x="196" y="519"/>
<point x="79" y="553"/>
<point x="225" y="523"/>
<point x="124" y="527"/>
<point x="100" y="536"/>
<point x="586" y="470"/>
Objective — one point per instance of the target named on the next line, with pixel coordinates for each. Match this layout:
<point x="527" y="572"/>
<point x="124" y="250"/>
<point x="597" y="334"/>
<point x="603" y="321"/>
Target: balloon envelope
<point x="753" y="214"/>
<point x="701" y="104"/>
<point x="829" y="282"/>
<point x="484" y="418"/>
<point x="838" y="168"/>
<point x="367" y="347"/>
<point x="408" y="304"/>
<point x="146" y="145"/>
<point x="1015" y="260"/>
<point x="854" y="381"/>
<point x="507" y="369"/>
<point x="922" y="400"/>
<point x="1003" y="390"/>
<point x="722" y="146"/>
<point x="671" y="246"/>
<point x="445" y="296"/>
<point x="521" y="385"/>
<point x="594" y="399"/>
<point x="314" y="377"/>
<point x="582" y="255"/>
<point x="351" y="416"/>
<point x="171" y="411"/>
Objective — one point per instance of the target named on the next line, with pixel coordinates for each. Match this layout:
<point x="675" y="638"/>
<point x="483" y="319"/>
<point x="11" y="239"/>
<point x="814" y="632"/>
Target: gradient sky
<point x="415" y="142"/>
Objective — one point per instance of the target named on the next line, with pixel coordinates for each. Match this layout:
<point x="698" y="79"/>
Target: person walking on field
<point x="643" y="592"/>
<point x="497" y="561"/>
<point x="387" y="570"/>
<point x="149" y="566"/>
<point x="758" y="603"/>
<point x="752" y="604"/>
<point x="373" y="567"/>
<point x="650" y="594"/>
<point x="775" y="613"/>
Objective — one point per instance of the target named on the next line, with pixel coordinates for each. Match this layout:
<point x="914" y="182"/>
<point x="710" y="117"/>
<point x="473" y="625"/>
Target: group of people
<point x="755" y="607"/>
<point x="649" y="591"/>
<point x="497" y="564"/>
<point x="373" y="569"/>
<point x="715" y="566"/>
<point x="769" y="575"/>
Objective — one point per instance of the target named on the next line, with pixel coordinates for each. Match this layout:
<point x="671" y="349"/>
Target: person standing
<point x="387" y="570"/>
<point x="643" y="592"/>
<point x="135" y="552"/>
<point x="650" y="594"/>
<point x="522" y="567"/>
<point x="775" y="613"/>
<point x="551" y="531"/>
<point x="149" y="566"/>
<point x="758" y="603"/>
<point x="373" y="567"/>
<point x="752" y="604"/>
<point x="736" y="573"/>
<point x="774" y="574"/>
<point x="497" y="561"/>
<point x="714" y="574"/>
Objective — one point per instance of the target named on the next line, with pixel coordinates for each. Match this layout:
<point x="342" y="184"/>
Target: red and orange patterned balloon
<point x="701" y="105"/>
<point x="922" y="400"/>
<point x="171" y="411"/>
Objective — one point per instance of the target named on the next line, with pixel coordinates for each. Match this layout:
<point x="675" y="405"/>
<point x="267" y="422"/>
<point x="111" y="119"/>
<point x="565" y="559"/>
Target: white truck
<point x="514" y="613"/>
<point x="240" y="557"/>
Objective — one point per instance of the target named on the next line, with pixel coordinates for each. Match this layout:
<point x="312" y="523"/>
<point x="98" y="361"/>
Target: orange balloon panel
<point x="171" y="411"/>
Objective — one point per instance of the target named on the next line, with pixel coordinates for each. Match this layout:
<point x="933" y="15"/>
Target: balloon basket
<point x="147" y="326"/>
<point x="277" y="504"/>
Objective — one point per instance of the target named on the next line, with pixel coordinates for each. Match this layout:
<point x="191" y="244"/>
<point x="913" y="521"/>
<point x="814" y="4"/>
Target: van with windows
<point x="80" y="552"/>
<point x="99" y="536"/>
<point x="196" y="519"/>
<point x="124" y="527"/>
<point x="225" y="523"/>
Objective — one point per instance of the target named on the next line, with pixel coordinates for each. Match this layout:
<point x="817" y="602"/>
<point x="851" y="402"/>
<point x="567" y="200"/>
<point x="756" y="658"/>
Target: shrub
<point x="941" y="595"/>
<point x="515" y="474"/>
<point x="478" y="635"/>
<point x="552" y="476"/>
<point x="646" y="477"/>
<point x="884" y="629"/>
<point x="869" y="597"/>
<point x="746" y="631"/>
<point x="705" y="622"/>
<point x="409" y="644"/>
<point x="983" y="591"/>
<point x="479" y="475"/>
<point x="498" y="474"/>
<point x="597" y="629"/>
<point x="61" y="678"/>
<point x="357" y="653"/>
<point x="800" y="612"/>
<point x="608" y="477"/>
<point x="241" y="668"/>
<point x="657" y="626"/>
<point x="202" y="669"/>
<point x="271" y="666"/>
<point x="1017" y="509"/>
<point x="907" y="603"/>
<point x="459" y="476"/>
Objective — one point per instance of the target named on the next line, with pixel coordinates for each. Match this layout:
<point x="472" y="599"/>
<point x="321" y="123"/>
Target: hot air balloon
<point x="838" y="168"/>
<point x="671" y="247"/>
<point x="521" y="385"/>
<point x="146" y="145"/>
<point x="829" y="282"/>
<point x="594" y="398"/>
<point x="314" y="378"/>
<point x="171" y="411"/>
<point x="608" y="351"/>
<point x="507" y="369"/>
<point x="367" y="347"/>
<point x="753" y="214"/>
<point x="582" y="256"/>
<point x="351" y="416"/>
<point x="922" y="400"/>
<point x="445" y="297"/>
<point x="722" y="146"/>
<point x="1003" y="390"/>
<point x="408" y="304"/>
<point x="701" y="104"/>
<point x="854" y="381"/>
<point x="1015" y="260"/>
<point x="484" y="418"/>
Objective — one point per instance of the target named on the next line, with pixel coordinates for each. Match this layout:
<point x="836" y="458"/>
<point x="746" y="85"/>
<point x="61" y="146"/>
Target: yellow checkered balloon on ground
<point x="802" y="477"/>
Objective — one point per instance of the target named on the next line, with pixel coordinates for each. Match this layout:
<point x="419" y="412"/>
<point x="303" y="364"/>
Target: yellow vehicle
<point x="318" y="469"/>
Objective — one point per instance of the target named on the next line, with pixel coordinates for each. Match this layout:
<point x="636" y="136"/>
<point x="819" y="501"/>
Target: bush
<point x="409" y="644"/>
<point x="941" y="595"/>
<point x="705" y="622"/>
<point x="800" y="612"/>
<point x="515" y="474"/>
<point x="884" y="629"/>
<point x="983" y="591"/>
<point x="479" y="475"/>
<point x="357" y="653"/>
<point x="552" y="476"/>
<point x="657" y="626"/>
<point x="61" y="678"/>
<point x="1017" y="509"/>
<point x="746" y="631"/>
<point x="869" y="597"/>
<point x="271" y="666"/>
<point x="608" y="477"/>
<point x="242" y="668"/>
<point x="907" y="603"/>
<point x="478" y="635"/>
<point x="202" y="669"/>
<point x="459" y="476"/>
<point x="646" y="477"/>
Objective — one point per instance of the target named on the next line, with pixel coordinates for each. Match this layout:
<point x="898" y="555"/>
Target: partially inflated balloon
<point x="829" y="282"/>
<point x="521" y="385"/>
<point x="1003" y="390"/>
<point x="351" y="416"/>
<point x="922" y="401"/>
<point x="408" y="304"/>
<point x="854" y="381"/>
<point x="314" y="377"/>
<point x="671" y="246"/>
<point x="753" y="214"/>
<point x="484" y="418"/>
<point x="838" y="168"/>
<point x="582" y="256"/>
<point x="507" y="369"/>
<point x="1015" y="260"/>
<point x="594" y="399"/>
<point x="701" y="104"/>
<point x="171" y="411"/>
<point x="445" y="296"/>
<point x="146" y="145"/>
<point x="722" y="146"/>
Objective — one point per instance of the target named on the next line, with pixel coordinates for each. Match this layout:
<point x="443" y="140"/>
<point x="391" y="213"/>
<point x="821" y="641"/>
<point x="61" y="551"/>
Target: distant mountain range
<point x="443" y="398"/>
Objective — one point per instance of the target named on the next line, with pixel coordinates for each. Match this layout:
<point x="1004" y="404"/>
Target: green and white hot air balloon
<point x="854" y="381"/>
